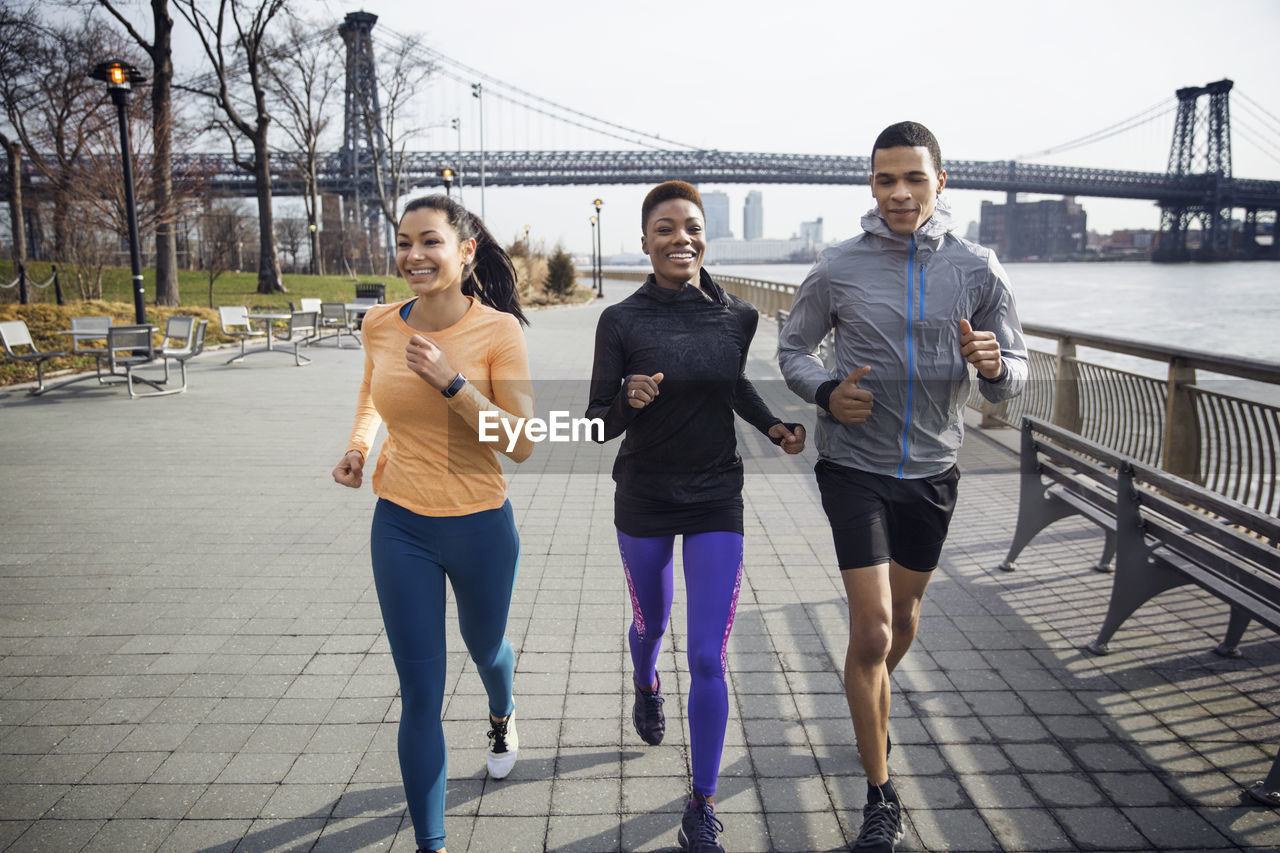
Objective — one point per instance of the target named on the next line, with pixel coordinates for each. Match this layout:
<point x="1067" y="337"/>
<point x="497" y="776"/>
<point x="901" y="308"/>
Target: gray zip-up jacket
<point x="896" y="303"/>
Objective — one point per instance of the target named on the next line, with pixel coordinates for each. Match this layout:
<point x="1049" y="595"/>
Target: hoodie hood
<point x="936" y="226"/>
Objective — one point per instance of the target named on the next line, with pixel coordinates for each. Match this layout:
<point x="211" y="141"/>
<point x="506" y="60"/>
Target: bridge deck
<point x="191" y="655"/>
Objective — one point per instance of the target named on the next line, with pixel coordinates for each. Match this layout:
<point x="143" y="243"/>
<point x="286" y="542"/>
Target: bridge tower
<point x="1199" y="159"/>
<point x="363" y="148"/>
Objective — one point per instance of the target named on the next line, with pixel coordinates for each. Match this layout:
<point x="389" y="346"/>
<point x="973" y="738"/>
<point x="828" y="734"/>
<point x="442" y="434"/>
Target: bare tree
<point x="55" y="110"/>
<point x="159" y="49"/>
<point x="304" y="76"/>
<point x="401" y="73"/>
<point x="220" y="229"/>
<point x="241" y="26"/>
<point x="17" y="38"/>
<point x="291" y="232"/>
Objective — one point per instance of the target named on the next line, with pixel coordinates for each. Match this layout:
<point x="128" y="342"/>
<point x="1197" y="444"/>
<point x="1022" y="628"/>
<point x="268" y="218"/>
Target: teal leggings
<point x="412" y="555"/>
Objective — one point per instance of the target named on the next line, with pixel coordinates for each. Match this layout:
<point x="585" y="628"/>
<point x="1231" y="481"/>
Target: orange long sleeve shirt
<point x="433" y="461"/>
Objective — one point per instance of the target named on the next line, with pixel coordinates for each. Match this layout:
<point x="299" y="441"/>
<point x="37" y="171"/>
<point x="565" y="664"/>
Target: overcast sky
<point x="993" y="80"/>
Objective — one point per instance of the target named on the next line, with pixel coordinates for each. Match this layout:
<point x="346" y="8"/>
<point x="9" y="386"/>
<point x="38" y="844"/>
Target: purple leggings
<point x="712" y="577"/>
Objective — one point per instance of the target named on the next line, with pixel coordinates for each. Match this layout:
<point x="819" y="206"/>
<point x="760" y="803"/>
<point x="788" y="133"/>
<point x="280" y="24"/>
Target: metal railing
<point x="1227" y="442"/>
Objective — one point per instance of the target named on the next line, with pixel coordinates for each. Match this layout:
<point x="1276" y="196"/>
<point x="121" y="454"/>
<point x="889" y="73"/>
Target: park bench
<point x="1163" y="531"/>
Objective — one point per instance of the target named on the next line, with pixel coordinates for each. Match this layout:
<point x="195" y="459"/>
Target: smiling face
<point x="429" y="254"/>
<point x="675" y="241"/>
<point x="906" y="186"/>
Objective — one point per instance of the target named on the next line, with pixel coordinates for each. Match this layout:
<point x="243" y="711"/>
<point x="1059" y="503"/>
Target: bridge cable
<point x="1155" y="111"/>
<point x="508" y="99"/>
<point x="1271" y="124"/>
<point x="474" y="72"/>
<point x="1260" y="107"/>
<point x="1244" y="131"/>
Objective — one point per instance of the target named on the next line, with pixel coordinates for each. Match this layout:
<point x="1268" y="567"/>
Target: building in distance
<point x="753" y="216"/>
<point x="1034" y="230"/>
<point x="716" y="206"/>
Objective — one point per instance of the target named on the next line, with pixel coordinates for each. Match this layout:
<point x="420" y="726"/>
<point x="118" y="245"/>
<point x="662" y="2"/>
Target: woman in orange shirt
<point x="433" y="364"/>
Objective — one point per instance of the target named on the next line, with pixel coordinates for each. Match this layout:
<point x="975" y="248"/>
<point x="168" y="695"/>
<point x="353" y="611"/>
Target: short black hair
<point x="910" y="134"/>
<point x="666" y="192"/>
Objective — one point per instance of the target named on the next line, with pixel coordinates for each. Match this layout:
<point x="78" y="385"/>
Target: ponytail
<point x="490" y="277"/>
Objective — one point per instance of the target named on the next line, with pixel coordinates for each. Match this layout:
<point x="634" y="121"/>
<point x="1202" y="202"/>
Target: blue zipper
<point x="911" y="350"/>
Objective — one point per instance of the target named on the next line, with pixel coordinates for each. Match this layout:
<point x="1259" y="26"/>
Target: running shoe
<point x="882" y="828"/>
<point x="650" y="721"/>
<point x="700" y="828"/>
<point x="503" y="744"/>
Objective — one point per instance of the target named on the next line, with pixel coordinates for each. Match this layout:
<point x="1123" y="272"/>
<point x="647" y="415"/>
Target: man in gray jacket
<point x="912" y="306"/>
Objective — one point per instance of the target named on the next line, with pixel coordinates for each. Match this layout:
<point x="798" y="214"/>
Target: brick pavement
<point x="191" y="655"/>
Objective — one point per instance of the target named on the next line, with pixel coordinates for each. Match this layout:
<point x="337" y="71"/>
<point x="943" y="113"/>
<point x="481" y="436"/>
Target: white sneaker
<point x="503" y="745"/>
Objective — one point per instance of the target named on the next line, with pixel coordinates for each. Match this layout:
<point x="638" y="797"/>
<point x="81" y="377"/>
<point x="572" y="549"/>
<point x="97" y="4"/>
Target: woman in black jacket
<point x="668" y="372"/>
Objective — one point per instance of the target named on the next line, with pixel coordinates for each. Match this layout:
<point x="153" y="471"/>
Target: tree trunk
<point x="162" y="174"/>
<point x="17" y="222"/>
<point x="269" y="280"/>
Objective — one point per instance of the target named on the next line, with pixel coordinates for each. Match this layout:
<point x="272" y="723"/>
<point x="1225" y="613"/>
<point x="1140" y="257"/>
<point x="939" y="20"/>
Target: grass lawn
<point x="45" y="318"/>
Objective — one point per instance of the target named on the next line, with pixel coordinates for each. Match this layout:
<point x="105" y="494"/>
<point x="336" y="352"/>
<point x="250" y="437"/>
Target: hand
<point x="849" y="403"/>
<point x="641" y="390"/>
<point x="792" y="440"/>
<point x="981" y="349"/>
<point x="429" y="361"/>
<point x="350" y="471"/>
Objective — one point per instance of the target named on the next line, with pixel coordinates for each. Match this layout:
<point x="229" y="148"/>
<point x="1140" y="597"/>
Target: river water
<point x="1223" y="309"/>
<point x="1227" y="308"/>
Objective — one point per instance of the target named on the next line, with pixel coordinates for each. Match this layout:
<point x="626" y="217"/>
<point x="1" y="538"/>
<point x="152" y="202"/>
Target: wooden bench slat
<point x="1259" y="607"/>
<point x="1216" y="529"/>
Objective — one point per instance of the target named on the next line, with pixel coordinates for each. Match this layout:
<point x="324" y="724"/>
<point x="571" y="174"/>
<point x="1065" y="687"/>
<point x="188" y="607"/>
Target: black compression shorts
<point x="875" y="519"/>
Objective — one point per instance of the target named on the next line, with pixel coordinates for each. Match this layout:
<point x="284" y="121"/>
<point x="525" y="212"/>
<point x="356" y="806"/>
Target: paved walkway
<point x="192" y="659"/>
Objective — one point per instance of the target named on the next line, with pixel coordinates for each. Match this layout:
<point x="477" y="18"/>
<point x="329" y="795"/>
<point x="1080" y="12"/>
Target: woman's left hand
<point x="429" y="361"/>
<point x="792" y="441"/>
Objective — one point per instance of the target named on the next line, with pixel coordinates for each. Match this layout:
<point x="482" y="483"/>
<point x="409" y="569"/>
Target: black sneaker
<point x="650" y="722"/>
<point x="882" y="828"/>
<point x="700" y="828"/>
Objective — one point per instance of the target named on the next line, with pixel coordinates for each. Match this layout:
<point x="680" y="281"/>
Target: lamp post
<point x="120" y="78"/>
<point x="457" y="125"/>
<point x="477" y="91"/>
<point x="599" y="251"/>
<point x="594" y="281"/>
<point x="315" y="248"/>
<point x="526" y="238"/>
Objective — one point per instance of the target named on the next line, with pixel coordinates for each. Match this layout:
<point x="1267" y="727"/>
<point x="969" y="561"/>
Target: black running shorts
<point x="875" y="519"/>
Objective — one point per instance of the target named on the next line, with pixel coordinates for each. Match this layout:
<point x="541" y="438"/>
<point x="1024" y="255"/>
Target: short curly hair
<point x="666" y="192"/>
<point x="911" y="134"/>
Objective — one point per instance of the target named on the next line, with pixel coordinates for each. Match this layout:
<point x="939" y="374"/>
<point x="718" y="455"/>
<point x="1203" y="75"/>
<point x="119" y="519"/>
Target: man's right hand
<point x="849" y="403"/>
<point x="350" y="471"/>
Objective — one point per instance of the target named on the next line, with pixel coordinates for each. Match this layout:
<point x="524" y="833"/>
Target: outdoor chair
<point x="14" y="335"/>
<point x="235" y="324"/>
<point x="302" y="330"/>
<point x="81" y="325"/>
<point x="129" y="347"/>
<point x="365" y="303"/>
<point x="183" y="347"/>
<point x="310" y="303"/>
<point x="334" y="317"/>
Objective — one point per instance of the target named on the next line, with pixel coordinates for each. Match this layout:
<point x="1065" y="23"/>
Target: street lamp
<point x="594" y="281"/>
<point x="526" y="238"/>
<point x="120" y="78"/>
<point x="599" y="251"/>
<point x="446" y="176"/>
<point x="477" y="92"/>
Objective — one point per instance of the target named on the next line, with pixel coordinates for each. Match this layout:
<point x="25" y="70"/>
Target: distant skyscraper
<point x="753" y="216"/>
<point x="812" y="231"/>
<point x="716" y="204"/>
